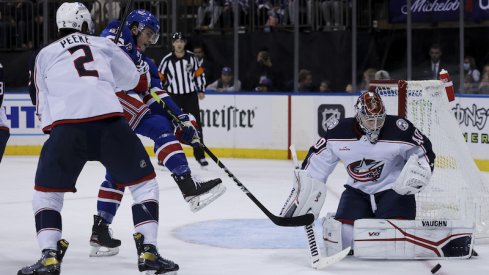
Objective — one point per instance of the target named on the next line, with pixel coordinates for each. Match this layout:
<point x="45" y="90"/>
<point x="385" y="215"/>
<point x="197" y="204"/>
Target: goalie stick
<point x="317" y="262"/>
<point x="280" y="221"/>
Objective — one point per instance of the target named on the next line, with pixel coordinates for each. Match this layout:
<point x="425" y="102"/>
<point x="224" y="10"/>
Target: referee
<point x="184" y="80"/>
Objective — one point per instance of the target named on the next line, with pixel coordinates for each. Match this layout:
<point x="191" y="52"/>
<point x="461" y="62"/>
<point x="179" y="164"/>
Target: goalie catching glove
<point x="413" y="179"/>
<point x="307" y="196"/>
<point x="186" y="131"/>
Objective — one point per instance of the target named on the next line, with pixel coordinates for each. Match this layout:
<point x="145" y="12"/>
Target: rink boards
<point x="257" y="125"/>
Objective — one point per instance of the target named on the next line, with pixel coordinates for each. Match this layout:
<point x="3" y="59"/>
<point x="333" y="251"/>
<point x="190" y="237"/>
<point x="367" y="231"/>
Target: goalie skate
<point x="103" y="245"/>
<point x="197" y="192"/>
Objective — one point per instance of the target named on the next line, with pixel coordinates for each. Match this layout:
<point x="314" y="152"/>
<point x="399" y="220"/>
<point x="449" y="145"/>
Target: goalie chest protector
<point x="371" y="167"/>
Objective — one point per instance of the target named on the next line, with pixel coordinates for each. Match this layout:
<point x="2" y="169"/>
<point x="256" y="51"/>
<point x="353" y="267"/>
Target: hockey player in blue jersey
<point x="149" y="119"/>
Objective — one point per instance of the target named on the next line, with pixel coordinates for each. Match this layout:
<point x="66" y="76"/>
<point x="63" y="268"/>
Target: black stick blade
<point x="293" y="221"/>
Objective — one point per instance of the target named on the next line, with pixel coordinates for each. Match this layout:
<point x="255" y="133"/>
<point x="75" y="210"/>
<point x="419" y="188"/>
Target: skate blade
<point x="205" y="199"/>
<point x="153" y="272"/>
<point x="102" y="251"/>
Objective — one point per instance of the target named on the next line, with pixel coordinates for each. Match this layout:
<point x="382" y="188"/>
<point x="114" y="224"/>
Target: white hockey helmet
<point x="72" y="16"/>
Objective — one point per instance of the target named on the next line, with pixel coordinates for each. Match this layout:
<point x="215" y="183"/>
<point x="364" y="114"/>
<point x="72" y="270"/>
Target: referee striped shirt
<point x="182" y="75"/>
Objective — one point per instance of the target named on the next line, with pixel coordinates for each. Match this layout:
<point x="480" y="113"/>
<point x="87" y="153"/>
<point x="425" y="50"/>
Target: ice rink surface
<point x="229" y="237"/>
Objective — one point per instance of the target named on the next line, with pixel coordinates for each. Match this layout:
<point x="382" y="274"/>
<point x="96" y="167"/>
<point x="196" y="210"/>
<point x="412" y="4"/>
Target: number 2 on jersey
<point x="80" y="61"/>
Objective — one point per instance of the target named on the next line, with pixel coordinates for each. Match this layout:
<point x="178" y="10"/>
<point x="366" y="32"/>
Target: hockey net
<point x="457" y="189"/>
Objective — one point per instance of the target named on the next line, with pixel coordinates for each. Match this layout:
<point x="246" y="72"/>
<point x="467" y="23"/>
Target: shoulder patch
<point x="402" y="124"/>
<point x="332" y="123"/>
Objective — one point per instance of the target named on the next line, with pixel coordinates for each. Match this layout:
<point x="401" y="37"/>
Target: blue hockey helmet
<point x="144" y="19"/>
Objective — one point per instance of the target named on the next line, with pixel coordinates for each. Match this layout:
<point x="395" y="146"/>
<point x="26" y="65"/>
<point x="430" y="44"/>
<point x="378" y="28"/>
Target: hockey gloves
<point x="144" y="77"/>
<point x="186" y="131"/>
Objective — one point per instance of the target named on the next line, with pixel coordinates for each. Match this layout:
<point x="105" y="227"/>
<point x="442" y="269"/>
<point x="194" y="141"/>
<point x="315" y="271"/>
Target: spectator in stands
<point x="324" y="86"/>
<point x="484" y="84"/>
<point x="382" y="75"/>
<point x="264" y="85"/>
<point x="228" y="13"/>
<point x="472" y="76"/>
<point x="204" y="63"/>
<point x="270" y="13"/>
<point x="331" y="13"/>
<point x="306" y="83"/>
<point x="7" y="23"/>
<point x="262" y="69"/>
<point x="431" y="68"/>
<point x="368" y="74"/>
<point x="211" y="9"/>
<point x="305" y="11"/>
<point x="226" y="82"/>
<point x="108" y="9"/>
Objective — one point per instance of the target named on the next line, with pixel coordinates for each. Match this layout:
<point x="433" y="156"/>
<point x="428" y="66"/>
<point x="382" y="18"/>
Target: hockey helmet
<point x="176" y="36"/>
<point x="144" y="18"/>
<point x="72" y="16"/>
<point x="370" y="114"/>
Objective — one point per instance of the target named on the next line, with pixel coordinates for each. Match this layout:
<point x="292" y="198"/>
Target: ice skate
<point x="203" y="163"/>
<point x="149" y="259"/>
<point x="50" y="262"/>
<point x="197" y="192"/>
<point x="102" y="243"/>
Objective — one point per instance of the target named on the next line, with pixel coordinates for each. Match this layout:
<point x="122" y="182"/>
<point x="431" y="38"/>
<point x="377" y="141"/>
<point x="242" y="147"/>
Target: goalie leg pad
<point x="332" y="235"/>
<point x="307" y="196"/>
<point x="413" y="239"/>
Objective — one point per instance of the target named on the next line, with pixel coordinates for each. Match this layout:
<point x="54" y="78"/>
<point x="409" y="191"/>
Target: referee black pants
<point x="189" y="103"/>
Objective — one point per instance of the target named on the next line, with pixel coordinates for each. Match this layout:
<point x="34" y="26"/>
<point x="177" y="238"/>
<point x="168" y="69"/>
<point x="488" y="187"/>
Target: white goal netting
<point x="457" y="189"/>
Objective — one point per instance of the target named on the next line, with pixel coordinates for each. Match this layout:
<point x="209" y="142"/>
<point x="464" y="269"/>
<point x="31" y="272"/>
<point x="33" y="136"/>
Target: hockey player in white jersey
<point x="4" y="129"/>
<point x="76" y="79"/>
<point x="388" y="160"/>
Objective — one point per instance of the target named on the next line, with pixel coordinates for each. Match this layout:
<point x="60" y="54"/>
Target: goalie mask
<point x="371" y="115"/>
<point x="73" y="16"/>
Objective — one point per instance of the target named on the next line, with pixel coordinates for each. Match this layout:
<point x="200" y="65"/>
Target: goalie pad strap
<point x="413" y="239"/>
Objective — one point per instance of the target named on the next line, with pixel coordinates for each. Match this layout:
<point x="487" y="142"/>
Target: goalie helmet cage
<point x="457" y="189"/>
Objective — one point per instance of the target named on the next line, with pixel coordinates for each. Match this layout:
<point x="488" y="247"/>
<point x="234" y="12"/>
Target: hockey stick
<point x="123" y="21"/>
<point x="280" y="221"/>
<point x="317" y="262"/>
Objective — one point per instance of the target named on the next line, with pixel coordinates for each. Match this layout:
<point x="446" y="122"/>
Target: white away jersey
<point x="76" y="79"/>
<point x="3" y="117"/>
<point x="371" y="167"/>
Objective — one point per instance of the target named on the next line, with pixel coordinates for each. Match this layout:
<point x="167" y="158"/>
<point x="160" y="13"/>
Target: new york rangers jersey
<point x="76" y="79"/>
<point x="371" y="167"/>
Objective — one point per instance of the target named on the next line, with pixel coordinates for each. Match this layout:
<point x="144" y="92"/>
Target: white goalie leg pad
<point x="332" y="238"/>
<point x="414" y="177"/>
<point x="414" y="239"/>
<point x="307" y="196"/>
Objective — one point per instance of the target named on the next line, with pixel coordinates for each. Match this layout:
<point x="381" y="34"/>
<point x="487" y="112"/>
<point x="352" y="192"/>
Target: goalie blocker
<point x="413" y="239"/>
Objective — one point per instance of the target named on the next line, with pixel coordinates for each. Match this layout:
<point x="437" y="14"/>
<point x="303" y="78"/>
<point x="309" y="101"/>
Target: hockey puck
<point x="435" y="268"/>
